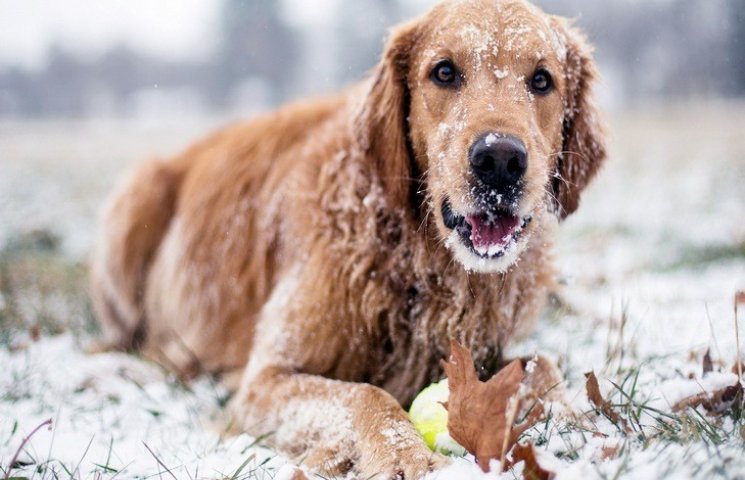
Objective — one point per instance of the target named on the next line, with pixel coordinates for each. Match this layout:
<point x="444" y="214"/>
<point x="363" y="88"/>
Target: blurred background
<point x="139" y="58"/>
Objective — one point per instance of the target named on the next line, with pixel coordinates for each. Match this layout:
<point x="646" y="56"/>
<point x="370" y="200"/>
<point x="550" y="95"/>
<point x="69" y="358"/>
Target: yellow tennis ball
<point x="430" y="418"/>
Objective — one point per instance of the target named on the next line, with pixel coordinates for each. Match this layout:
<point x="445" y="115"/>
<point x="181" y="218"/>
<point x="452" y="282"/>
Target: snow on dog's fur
<point x="309" y="248"/>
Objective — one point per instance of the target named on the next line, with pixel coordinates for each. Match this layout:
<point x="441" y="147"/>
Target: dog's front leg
<point x="332" y="426"/>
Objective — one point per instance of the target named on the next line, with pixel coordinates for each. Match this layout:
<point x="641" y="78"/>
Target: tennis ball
<point x="430" y="419"/>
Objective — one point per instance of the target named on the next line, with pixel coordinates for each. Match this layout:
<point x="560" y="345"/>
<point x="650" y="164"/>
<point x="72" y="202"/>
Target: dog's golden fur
<point x="307" y="250"/>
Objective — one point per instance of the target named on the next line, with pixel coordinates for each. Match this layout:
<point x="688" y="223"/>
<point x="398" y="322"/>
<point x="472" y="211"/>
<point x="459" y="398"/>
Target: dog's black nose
<point x="498" y="160"/>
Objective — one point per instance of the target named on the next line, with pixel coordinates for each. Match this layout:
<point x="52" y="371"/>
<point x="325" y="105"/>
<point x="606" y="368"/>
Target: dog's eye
<point x="542" y="82"/>
<point x="445" y="74"/>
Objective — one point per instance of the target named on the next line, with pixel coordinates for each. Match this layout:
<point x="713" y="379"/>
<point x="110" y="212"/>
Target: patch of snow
<point x="491" y="139"/>
<point x="113" y="410"/>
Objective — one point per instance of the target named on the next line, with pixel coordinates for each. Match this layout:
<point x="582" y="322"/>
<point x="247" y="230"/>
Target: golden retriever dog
<point x="328" y="252"/>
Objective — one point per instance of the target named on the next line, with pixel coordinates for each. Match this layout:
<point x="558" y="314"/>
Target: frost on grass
<point x="114" y="414"/>
<point x="649" y="266"/>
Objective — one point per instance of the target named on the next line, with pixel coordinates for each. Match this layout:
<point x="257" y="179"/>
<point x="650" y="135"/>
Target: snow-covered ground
<point x="649" y="266"/>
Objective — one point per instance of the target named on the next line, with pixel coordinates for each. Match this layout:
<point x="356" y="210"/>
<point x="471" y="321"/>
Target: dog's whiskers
<point x="567" y="152"/>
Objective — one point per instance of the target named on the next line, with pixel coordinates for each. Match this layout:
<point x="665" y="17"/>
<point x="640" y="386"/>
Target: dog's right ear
<point x="381" y="124"/>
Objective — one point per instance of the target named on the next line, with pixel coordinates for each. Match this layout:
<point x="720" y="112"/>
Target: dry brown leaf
<point x="609" y="452"/>
<point x="740" y="297"/>
<point x="708" y="366"/>
<point x="605" y="407"/>
<point x="714" y="402"/>
<point x="532" y="470"/>
<point x="34" y="333"/>
<point x="292" y="473"/>
<point x="726" y="398"/>
<point x="482" y="414"/>
<point x="299" y="475"/>
<point x="544" y="380"/>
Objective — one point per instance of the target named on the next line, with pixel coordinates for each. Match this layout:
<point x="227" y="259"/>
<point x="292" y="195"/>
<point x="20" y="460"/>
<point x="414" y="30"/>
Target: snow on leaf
<point x="740" y="298"/>
<point x="482" y="414"/>
<point x="289" y="472"/>
<point x="718" y="401"/>
<point x="609" y="452"/>
<point x="532" y="469"/>
<point x="605" y="407"/>
<point x="738" y="367"/>
<point x="544" y="380"/>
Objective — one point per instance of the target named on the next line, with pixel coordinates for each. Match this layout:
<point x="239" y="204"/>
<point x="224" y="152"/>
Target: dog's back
<point x="172" y="224"/>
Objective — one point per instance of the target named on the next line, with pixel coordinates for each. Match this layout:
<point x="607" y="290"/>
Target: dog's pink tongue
<point x="487" y="232"/>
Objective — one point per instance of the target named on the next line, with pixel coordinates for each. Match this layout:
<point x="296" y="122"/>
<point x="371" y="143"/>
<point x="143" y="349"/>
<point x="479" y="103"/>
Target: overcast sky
<point x="172" y="28"/>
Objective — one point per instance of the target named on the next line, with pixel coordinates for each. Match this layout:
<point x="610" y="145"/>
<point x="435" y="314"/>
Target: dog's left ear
<point x="583" y="150"/>
<point x="381" y="124"/>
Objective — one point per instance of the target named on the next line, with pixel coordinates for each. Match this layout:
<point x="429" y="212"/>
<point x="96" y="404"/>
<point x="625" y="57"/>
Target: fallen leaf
<point x="544" y="380"/>
<point x="34" y="333"/>
<point x="740" y="297"/>
<point x="289" y="472"/>
<point x="609" y="452"/>
<point x="481" y="415"/>
<point x="299" y="475"/>
<point x="708" y="366"/>
<point x="532" y="470"/>
<point x="718" y="401"/>
<point x="605" y="407"/>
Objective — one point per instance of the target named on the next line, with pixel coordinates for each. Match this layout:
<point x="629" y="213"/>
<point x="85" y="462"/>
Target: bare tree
<point x="362" y="29"/>
<point x="254" y="42"/>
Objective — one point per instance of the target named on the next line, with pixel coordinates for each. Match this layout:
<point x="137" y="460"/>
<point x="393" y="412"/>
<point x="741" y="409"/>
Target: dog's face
<point x="496" y="112"/>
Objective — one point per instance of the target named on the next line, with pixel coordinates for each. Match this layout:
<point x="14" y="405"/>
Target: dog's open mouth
<point x="488" y="234"/>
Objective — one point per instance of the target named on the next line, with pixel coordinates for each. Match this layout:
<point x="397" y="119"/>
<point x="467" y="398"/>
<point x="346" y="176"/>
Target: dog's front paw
<point x="408" y="466"/>
<point x="403" y="464"/>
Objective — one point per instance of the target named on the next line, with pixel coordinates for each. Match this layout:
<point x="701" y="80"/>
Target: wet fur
<point x="304" y="251"/>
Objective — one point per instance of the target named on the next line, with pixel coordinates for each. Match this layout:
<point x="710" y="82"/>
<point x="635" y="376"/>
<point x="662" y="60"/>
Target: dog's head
<point x="488" y="104"/>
